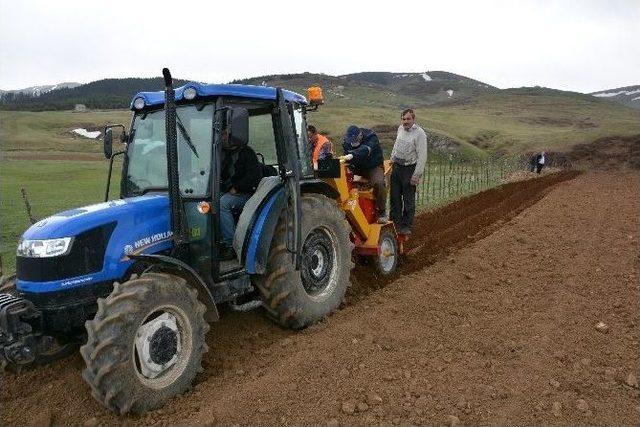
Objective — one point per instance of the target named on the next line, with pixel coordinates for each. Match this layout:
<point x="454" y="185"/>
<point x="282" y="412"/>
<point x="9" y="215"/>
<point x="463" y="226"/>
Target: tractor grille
<point x="86" y="257"/>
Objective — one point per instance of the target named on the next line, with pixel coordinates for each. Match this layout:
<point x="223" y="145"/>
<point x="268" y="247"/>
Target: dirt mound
<point x="611" y="153"/>
<point x="501" y="332"/>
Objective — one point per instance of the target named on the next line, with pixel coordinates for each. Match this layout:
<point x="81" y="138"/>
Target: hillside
<point x="35" y="91"/>
<point x="628" y="96"/>
<point x="426" y="88"/>
<point x="101" y="94"/>
<point x="476" y="120"/>
<point x="491" y="123"/>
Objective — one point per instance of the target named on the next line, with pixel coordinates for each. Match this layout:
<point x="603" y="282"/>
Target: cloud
<point x="577" y="45"/>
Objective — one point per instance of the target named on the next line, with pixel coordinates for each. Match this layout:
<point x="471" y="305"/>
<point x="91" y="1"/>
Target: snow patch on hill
<point x="426" y="77"/>
<point x="36" y="91"/>
<point x="86" y="133"/>
<point x="622" y="92"/>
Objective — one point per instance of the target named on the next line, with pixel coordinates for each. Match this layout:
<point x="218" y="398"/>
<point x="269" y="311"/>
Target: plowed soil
<point x="491" y="320"/>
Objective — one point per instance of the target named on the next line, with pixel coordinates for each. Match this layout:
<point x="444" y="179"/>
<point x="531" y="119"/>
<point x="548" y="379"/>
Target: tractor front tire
<point x="145" y="343"/>
<point x="296" y="299"/>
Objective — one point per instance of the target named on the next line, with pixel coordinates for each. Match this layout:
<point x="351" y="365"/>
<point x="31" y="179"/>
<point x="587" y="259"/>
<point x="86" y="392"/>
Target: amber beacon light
<point x="315" y="95"/>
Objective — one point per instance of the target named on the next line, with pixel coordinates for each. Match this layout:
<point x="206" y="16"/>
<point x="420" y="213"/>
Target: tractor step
<point x="247" y="306"/>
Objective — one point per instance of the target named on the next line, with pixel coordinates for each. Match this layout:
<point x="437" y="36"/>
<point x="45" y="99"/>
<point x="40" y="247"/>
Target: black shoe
<point x="227" y="254"/>
<point x="405" y="230"/>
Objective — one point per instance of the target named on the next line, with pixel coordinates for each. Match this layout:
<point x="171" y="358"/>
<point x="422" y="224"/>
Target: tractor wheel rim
<point x="162" y="347"/>
<point x="319" y="272"/>
<point x="317" y="260"/>
<point x="387" y="256"/>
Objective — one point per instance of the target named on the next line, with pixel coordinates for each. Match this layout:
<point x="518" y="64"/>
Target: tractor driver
<point x="367" y="161"/>
<point x="240" y="175"/>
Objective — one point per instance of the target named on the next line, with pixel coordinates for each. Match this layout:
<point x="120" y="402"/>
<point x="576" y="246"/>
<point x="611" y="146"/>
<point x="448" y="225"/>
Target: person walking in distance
<point x="409" y="156"/>
<point x="540" y="161"/>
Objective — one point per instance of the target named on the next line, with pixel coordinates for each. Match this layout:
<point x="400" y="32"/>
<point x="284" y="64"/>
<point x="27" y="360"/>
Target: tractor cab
<point x="208" y="120"/>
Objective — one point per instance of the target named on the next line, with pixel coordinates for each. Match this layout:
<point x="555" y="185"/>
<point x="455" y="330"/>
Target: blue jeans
<point x="230" y="204"/>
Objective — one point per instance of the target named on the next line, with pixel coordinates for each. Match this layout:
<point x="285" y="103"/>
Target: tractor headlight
<point x="44" y="248"/>
<point x="189" y="93"/>
<point x="138" y="103"/>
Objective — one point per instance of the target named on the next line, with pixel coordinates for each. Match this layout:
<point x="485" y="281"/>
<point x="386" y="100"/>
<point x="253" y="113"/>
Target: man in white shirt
<point x="409" y="156"/>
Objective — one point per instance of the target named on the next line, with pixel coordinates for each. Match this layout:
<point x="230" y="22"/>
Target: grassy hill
<point x="101" y="94"/>
<point x="628" y="95"/>
<point x="491" y="121"/>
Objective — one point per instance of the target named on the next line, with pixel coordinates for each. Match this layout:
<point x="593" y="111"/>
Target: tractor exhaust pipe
<point x="172" y="160"/>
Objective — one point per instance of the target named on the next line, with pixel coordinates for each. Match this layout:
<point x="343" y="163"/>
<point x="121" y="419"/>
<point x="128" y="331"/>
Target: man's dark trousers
<point x="403" y="196"/>
<point x="376" y="179"/>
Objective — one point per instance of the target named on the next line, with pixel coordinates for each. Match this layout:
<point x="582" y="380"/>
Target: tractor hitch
<point x="21" y="341"/>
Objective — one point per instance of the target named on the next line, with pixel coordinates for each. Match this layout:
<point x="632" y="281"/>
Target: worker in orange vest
<point x="321" y="146"/>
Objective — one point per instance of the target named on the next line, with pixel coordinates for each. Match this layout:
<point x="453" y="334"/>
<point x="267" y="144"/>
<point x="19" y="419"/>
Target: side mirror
<point x="108" y="139"/>
<point x="108" y="142"/>
<point x="238" y="126"/>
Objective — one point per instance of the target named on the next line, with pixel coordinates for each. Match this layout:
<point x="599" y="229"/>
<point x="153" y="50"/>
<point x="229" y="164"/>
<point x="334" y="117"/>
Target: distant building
<point x="80" y="108"/>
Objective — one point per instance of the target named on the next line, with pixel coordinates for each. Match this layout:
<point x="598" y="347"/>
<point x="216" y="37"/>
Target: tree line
<point x="101" y="94"/>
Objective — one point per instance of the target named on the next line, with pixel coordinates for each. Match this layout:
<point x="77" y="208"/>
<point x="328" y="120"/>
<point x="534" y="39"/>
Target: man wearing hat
<point x="367" y="161"/>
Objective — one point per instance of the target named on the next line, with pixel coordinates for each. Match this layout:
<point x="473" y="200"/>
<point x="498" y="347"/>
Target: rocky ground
<point x="516" y="306"/>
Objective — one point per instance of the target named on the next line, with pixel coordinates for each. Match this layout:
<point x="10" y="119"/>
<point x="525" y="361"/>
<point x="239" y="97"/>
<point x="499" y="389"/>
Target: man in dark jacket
<point x="240" y="175"/>
<point x="367" y="161"/>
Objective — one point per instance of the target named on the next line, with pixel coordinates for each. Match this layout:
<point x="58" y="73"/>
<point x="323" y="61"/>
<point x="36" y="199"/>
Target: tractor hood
<point x="134" y="210"/>
<point x="103" y="236"/>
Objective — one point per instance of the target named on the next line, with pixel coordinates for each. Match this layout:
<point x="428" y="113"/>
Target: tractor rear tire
<point x="145" y="343"/>
<point x="296" y="299"/>
<point x="8" y="284"/>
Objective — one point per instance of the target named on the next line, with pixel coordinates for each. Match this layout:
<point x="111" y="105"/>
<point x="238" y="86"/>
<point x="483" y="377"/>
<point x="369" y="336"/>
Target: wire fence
<point x="449" y="179"/>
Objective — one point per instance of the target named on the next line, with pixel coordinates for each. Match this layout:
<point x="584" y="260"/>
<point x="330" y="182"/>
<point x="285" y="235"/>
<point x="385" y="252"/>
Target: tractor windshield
<point x="147" y="153"/>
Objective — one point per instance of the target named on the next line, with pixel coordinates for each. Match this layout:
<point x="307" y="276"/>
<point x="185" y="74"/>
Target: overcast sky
<point x="581" y="45"/>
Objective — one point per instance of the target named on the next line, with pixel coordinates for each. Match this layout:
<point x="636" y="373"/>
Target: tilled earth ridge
<point x="501" y="331"/>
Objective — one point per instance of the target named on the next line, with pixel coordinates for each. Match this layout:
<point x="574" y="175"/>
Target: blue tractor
<point x="136" y="281"/>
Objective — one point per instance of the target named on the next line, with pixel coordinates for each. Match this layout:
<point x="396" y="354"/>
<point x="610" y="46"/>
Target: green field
<point x="51" y="186"/>
<point x="23" y="132"/>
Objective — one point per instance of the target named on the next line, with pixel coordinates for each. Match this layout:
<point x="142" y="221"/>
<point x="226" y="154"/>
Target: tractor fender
<point x="182" y="269"/>
<point x="262" y="233"/>
<point x="265" y="224"/>
<point x="319" y="186"/>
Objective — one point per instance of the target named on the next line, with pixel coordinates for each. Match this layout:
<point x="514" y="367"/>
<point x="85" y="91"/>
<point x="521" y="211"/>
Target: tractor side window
<point x="147" y="154"/>
<point x="304" y="151"/>
<point x="262" y="138"/>
<point x="194" y="163"/>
